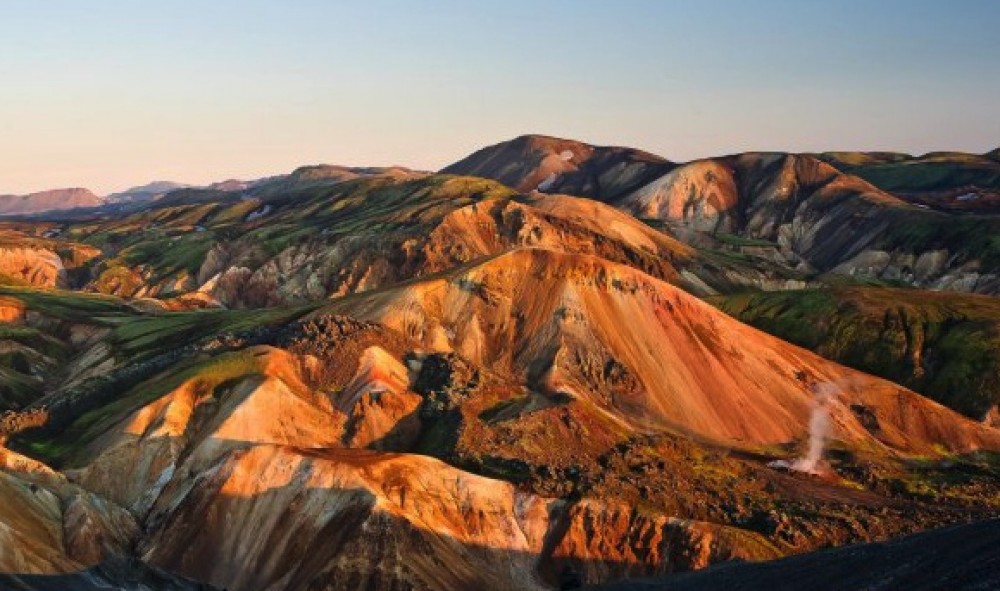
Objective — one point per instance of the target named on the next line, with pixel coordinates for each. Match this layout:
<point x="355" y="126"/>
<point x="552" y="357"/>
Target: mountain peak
<point x="555" y="165"/>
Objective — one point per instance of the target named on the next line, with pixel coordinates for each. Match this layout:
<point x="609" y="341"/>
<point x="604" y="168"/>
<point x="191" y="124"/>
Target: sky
<point x="108" y="94"/>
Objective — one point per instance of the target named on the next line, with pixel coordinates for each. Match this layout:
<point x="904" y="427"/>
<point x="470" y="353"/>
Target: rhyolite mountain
<point x="381" y="378"/>
<point x="555" y="165"/>
<point x="881" y="217"/>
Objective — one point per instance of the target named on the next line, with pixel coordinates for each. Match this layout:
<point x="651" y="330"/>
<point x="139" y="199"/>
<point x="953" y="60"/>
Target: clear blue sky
<point x="112" y="93"/>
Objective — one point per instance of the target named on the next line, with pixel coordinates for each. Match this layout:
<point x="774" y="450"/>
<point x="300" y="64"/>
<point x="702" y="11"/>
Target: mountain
<point x="148" y="192"/>
<point x="310" y="242"/>
<point x="819" y="220"/>
<point x="53" y="200"/>
<point x="307" y="243"/>
<point x="554" y="165"/>
<point x="572" y="305"/>
<point x="797" y="210"/>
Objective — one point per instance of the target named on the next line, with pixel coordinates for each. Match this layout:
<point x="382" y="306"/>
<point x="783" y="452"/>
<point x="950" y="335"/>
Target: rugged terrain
<point x="348" y="378"/>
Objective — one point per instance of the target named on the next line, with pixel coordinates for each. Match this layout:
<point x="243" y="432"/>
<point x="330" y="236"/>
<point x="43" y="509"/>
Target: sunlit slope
<point x="946" y="346"/>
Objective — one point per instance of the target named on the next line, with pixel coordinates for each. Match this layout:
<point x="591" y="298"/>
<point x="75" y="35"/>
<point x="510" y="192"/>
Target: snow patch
<point x="548" y="182"/>
<point x="256" y="215"/>
<point x="154" y="491"/>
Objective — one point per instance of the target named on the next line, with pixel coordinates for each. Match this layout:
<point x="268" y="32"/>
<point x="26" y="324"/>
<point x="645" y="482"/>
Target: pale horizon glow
<point x="109" y="94"/>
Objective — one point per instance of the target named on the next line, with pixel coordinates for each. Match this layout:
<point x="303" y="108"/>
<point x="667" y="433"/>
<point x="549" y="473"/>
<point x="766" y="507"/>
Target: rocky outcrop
<point x="701" y="195"/>
<point x="40" y="267"/>
<point x="48" y="525"/>
<point x="41" y="262"/>
<point x="12" y="310"/>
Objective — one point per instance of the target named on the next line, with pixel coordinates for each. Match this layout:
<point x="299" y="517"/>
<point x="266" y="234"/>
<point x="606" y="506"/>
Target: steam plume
<point x="819" y="427"/>
<point x="824" y="394"/>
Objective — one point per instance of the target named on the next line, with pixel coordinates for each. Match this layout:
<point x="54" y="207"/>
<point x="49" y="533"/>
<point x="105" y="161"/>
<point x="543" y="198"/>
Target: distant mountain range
<point x="137" y="198"/>
<point x="941" y="180"/>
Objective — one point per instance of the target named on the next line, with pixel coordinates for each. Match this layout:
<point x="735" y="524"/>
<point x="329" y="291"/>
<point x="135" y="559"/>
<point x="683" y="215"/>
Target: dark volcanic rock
<point x="955" y="558"/>
<point x="117" y="575"/>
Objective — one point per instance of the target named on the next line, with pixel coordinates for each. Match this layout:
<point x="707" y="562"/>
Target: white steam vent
<point x="824" y="395"/>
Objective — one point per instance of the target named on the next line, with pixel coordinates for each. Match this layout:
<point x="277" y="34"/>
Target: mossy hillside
<point x="33" y="357"/>
<point x="205" y="375"/>
<point x="36" y="340"/>
<point x="169" y="255"/>
<point x="138" y="338"/>
<point x="945" y="346"/>
<point x="133" y="333"/>
<point x="70" y="306"/>
<point x="924" y="175"/>
<point x="908" y="174"/>
<point x="970" y="238"/>
<point x="155" y="354"/>
<point x="170" y="242"/>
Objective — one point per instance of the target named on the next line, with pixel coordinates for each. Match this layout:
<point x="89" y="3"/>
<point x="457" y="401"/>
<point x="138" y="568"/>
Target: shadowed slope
<point x="959" y="558"/>
<point x="49" y="525"/>
<point x="384" y="521"/>
<point x="112" y="575"/>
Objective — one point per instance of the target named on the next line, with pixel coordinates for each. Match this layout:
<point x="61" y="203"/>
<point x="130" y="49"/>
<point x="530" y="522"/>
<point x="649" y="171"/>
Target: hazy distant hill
<point x="148" y="192"/>
<point x="52" y="200"/>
